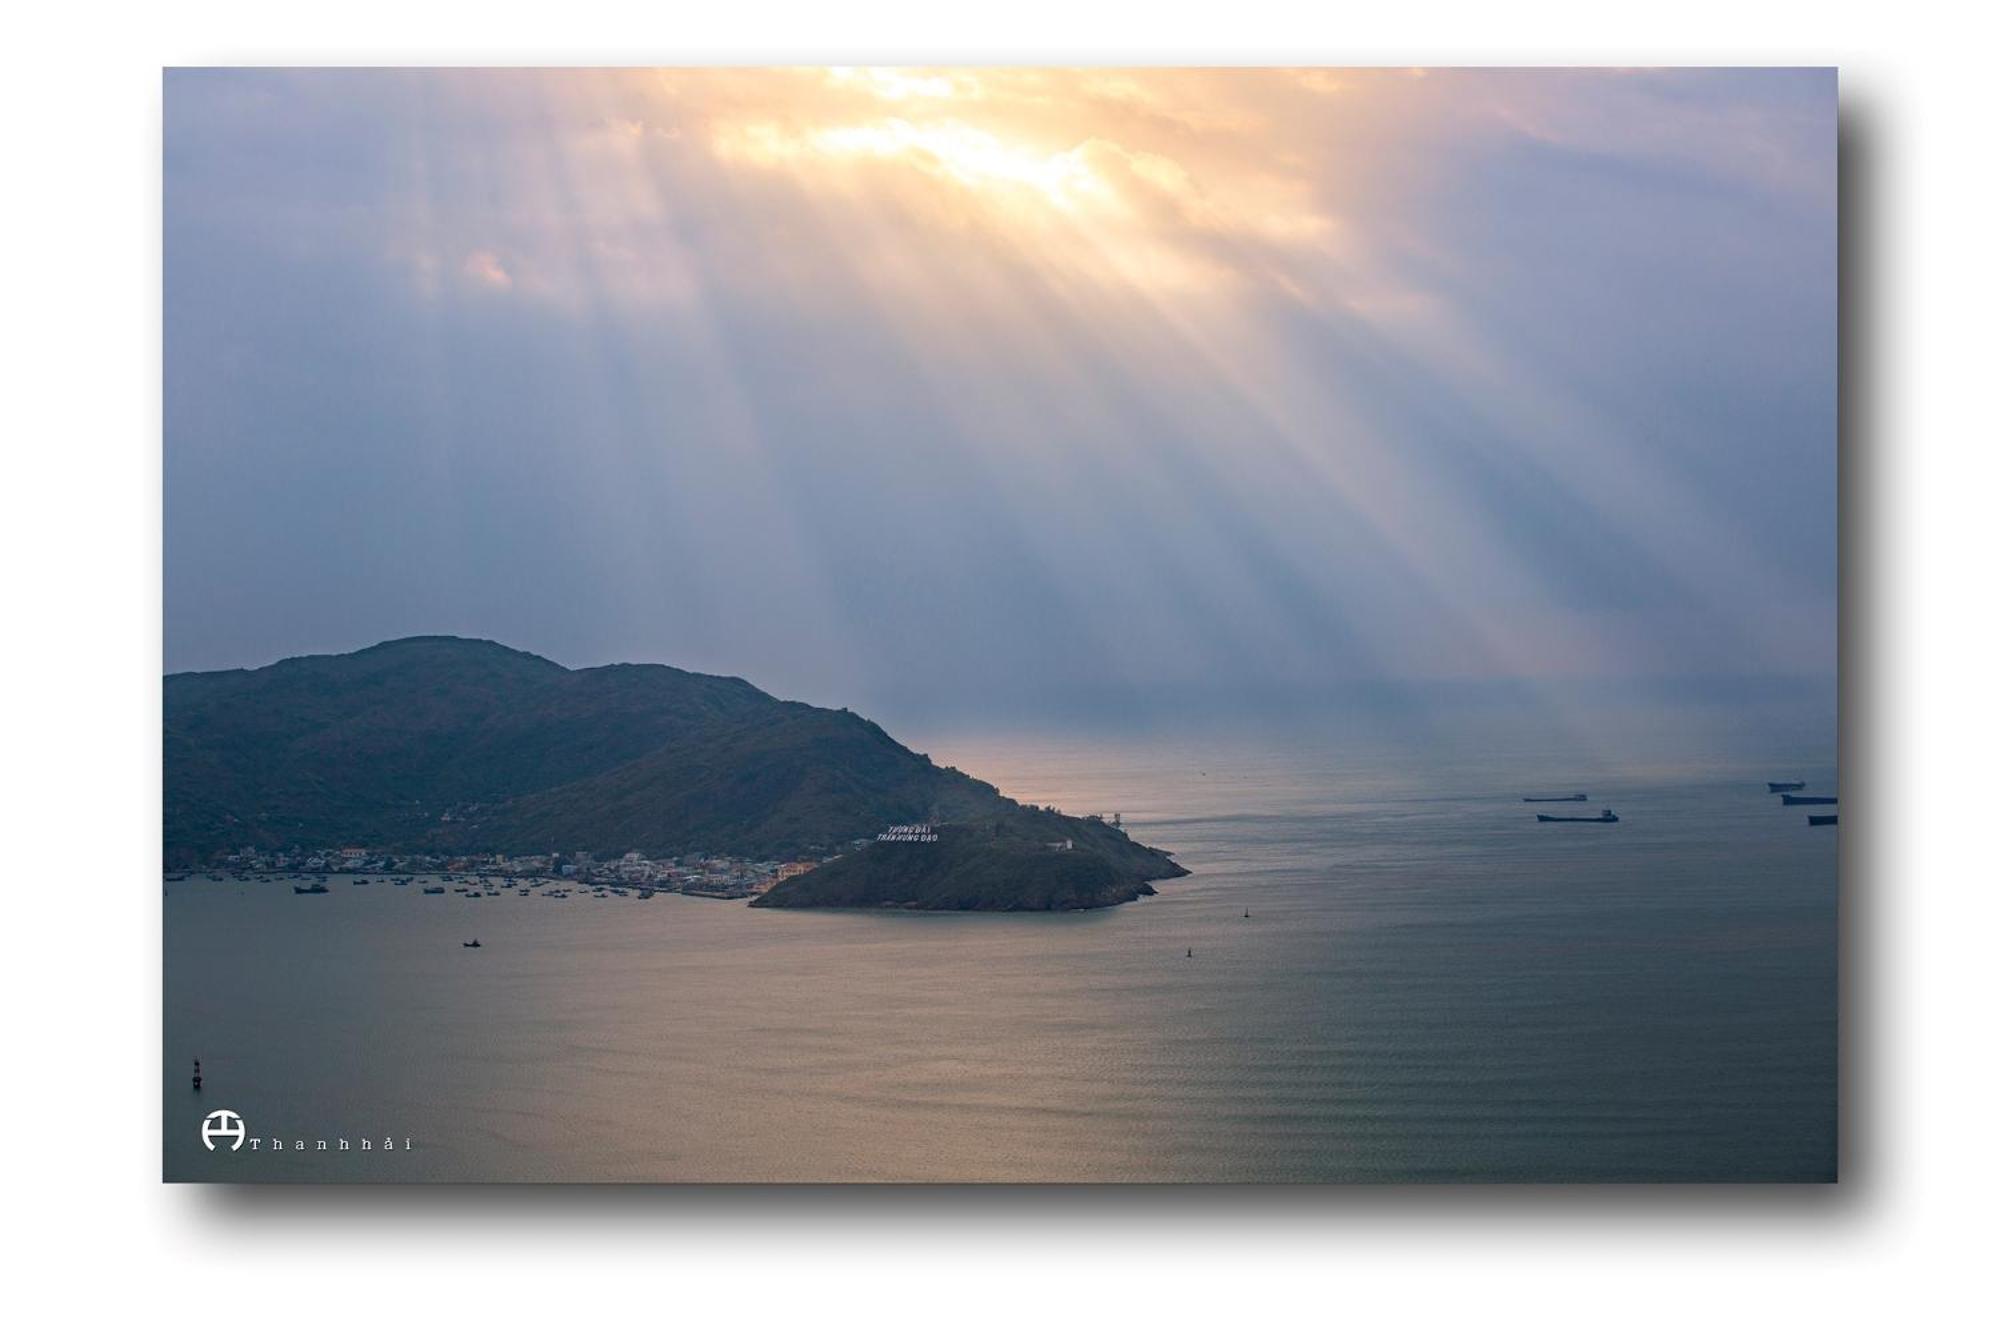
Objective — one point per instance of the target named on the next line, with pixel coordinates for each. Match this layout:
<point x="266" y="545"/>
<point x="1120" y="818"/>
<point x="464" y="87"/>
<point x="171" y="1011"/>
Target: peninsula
<point x="1022" y="859"/>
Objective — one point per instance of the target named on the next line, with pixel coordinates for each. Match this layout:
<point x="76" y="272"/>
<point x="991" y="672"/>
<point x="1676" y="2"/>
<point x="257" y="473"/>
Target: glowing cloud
<point x="486" y="270"/>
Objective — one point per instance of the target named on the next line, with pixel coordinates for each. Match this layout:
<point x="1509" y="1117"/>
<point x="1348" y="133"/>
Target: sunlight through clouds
<point x="1041" y="161"/>
<point x="1234" y="383"/>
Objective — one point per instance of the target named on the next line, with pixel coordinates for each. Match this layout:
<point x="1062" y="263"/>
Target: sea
<point x="1382" y="969"/>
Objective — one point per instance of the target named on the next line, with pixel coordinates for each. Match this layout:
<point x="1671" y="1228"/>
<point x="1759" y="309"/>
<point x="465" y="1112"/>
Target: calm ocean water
<point x="1429" y="987"/>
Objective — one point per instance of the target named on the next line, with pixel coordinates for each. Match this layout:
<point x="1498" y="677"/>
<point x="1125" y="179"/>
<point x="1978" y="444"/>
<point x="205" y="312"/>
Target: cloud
<point x="1032" y="384"/>
<point x="485" y="269"/>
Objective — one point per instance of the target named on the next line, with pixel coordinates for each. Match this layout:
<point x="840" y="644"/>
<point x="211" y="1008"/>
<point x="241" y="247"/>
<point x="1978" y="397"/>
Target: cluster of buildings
<point x="702" y="876"/>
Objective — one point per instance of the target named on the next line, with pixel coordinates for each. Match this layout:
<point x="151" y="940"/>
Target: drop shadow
<point x="367" y="1210"/>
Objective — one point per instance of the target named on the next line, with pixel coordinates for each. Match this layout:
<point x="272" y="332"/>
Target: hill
<point x="1018" y="860"/>
<point x="442" y="744"/>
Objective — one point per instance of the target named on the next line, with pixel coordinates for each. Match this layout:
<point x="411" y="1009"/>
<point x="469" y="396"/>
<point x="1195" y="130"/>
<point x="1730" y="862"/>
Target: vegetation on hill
<point x="1018" y="860"/>
<point x="442" y="744"/>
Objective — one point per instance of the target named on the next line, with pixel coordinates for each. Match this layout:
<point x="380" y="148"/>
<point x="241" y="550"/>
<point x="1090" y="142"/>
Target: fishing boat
<point x="438" y="889"/>
<point x="309" y="888"/>
<point x="1777" y="787"/>
<point x="470" y="944"/>
<point x="1606" y="818"/>
<point x="1546" y="800"/>
<point x="1818" y="820"/>
<point x="1810" y="800"/>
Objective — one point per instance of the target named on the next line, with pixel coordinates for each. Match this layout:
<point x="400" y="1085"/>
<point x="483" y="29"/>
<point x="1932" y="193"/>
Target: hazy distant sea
<point x="1429" y="987"/>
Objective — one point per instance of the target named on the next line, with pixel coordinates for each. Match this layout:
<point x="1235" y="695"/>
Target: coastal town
<point x="696" y="875"/>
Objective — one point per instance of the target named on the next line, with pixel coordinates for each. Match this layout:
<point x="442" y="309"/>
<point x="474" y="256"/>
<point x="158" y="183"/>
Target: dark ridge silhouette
<point x="440" y="744"/>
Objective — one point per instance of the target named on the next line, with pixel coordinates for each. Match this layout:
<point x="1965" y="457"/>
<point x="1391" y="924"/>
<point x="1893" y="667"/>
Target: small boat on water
<point x="470" y="944"/>
<point x="1810" y="800"/>
<point x="1817" y="820"/>
<point x="1606" y="818"/>
<point x="1548" y="800"/>
<point x="438" y="889"/>
<point x="309" y="888"/>
<point x="1777" y="787"/>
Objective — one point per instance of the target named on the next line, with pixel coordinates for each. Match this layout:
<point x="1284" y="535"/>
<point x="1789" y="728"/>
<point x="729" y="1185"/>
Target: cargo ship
<point x="1810" y="800"/>
<point x="1777" y="787"/>
<point x="1606" y="818"/>
<point x="1532" y="800"/>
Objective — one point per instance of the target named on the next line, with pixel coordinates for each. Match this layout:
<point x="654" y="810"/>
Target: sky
<point x="1025" y="393"/>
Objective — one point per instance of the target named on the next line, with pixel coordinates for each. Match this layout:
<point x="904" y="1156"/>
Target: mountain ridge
<point x="439" y="744"/>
